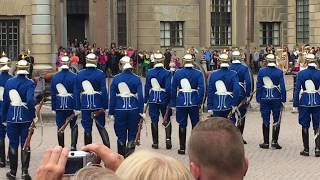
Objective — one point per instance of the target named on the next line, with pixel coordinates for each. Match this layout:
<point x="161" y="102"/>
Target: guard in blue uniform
<point x="187" y="96"/>
<point x="91" y="96"/>
<point x="63" y="101"/>
<point x="245" y="88"/>
<point x="309" y="103"/>
<point x="4" y="76"/>
<point x="157" y="94"/>
<point x="18" y="110"/>
<point x="271" y="95"/>
<point x="126" y="106"/>
<point x="223" y="89"/>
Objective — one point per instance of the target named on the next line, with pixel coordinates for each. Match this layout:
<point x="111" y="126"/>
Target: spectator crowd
<point x="109" y="57"/>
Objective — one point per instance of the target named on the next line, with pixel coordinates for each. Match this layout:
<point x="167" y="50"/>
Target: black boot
<point x="87" y="138"/>
<point x="74" y="138"/>
<point x="305" y="139"/>
<point x="104" y="136"/>
<point x="25" y="160"/>
<point x="182" y="139"/>
<point x="2" y="153"/>
<point x="241" y="128"/>
<point x="13" y="156"/>
<point x="61" y="139"/>
<point x="275" y="136"/>
<point x="121" y="148"/>
<point x="168" y="137"/>
<point x="155" y="136"/>
<point x="317" y="143"/>
<point x="265" y="131"/>
<point x="130" y="148"/>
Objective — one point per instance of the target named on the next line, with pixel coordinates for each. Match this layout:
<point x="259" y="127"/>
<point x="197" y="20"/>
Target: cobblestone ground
<point x="263" y="164"/>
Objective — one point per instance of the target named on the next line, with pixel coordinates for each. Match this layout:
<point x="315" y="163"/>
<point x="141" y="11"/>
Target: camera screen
<point x="73" y="165"/>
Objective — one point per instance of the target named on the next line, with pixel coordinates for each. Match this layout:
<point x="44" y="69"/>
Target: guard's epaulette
<point x="234" y="71"/>
<point x="117" y="75"/>
<point x="81" y="70"/>
<point x="197" y="70"/>
<point x="100" y="70"/>
<point x="73" y="72"/>
<point x="178" y="70"/>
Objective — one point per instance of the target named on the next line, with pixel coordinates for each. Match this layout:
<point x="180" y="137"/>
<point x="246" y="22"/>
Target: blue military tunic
<point x="4" y="76"/>
<point x="163" y="77"/>
<point x="187" y="102"/>
<point x="244" y="79"/>
<point x="221" y="103"/>
<point x="19" y="117"/>
<point x="245" y="85"/>
<point x="98" y="100"/>
<point x="270" y="98"/>
<point x="63" y="104"/>
<point x="126" y="107"/>
<point x="309" y="102"/>
<point x="88" y="103"/>
<point x="158" y="99"/>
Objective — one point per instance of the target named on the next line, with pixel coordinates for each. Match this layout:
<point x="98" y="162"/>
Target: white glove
<point x="4" y="124"/>
<point x="234" y="109"/>
<point x="76" y="112"/>
<point x="143" y="115"/>
<point x="111" y="117"/>
<point x="173" y="109"/>
<point x="210" y="112"/>
<point x="35" y="119"/>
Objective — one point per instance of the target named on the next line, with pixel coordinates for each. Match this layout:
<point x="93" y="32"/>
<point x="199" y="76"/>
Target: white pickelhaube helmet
<point x="91" y="60"/>
<point x="311" y="60"/>
<point x="236" y="55"/>
<point x="4" y="62"/>
<point x="65" y="61"/>
<point x="125" y="63"/>
<point x="224" y="60"/>
<point x="188" y="60"/>
<point x="23" y="66"/>
<point x="158" y="59"/>
<point x="271" y="59"/>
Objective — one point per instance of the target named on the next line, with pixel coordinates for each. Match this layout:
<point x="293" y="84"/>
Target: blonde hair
<point x="95" y="173"/>
<point x="145" y="165"/>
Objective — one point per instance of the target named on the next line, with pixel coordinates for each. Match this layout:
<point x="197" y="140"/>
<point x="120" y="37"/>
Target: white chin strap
<point x="91" y="65"/>
<point x="22" y="72"/>
<point x="236" y="62"/>
<point x="158" y="65"/>
<point x="271" y="64"/>
<point x="64" y="67"/>
<point x="224" y="65"/>
<point x="312" y="65"/>
<point x="5" y="68"/>
<point x="127" y="66"/>
<point x="188" y="65"/>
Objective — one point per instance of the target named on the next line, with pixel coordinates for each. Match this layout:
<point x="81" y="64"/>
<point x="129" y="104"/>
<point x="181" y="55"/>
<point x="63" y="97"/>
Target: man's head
<point x="216" y="151"/>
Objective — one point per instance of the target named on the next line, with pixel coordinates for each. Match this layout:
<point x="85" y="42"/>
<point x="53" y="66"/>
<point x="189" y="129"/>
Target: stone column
<point x="205" y="23"/>
<point x="41" y="32"/>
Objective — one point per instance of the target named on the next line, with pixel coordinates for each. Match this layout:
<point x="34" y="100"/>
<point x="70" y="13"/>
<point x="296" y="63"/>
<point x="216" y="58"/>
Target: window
<point x="9" y="38"/>
<point x="171" y="34"/>
<point x="302" y="21"/>
<point x="122" y="22"/>
<point x="221" y="23"/>
<point x="270" y="33"/>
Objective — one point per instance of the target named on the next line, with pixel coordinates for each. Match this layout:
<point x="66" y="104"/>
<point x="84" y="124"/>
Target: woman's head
<point x="144" y="165"/>
<point x="95" y="173"/>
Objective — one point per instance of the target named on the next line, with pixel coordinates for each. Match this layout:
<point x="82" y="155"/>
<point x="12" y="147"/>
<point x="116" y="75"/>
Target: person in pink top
<point x="74" y="61"/>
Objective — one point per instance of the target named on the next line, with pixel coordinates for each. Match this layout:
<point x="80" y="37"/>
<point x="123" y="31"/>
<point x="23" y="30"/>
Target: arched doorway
<point x="77" y="19"/>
